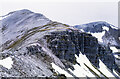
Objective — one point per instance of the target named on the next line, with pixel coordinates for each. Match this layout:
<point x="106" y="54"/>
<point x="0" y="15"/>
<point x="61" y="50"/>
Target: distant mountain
<point x="40" y="47"/>
<point x="108" y="34"/>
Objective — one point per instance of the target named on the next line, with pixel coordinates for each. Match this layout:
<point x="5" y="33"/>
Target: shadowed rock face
<point x="106" y="55"/>
<point x="65" y="44"/>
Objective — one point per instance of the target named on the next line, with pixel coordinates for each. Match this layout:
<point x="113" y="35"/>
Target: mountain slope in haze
<point x="39" y="47"/>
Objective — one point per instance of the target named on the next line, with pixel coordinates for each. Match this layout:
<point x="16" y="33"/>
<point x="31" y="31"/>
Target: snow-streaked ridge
<point x="105" y="70"/>
<point x="19" y="22"/>
<point x="60" y="71"/>
<point x="83" y="71"/>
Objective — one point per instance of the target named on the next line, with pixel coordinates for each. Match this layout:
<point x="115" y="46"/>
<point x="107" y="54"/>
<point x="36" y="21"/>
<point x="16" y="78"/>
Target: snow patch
<point x="105" y="28"/>
<point x="116" y="56"/>
<point x="7" y="62"/>
<point x="60" y="71"/>
<point x="115" y="73"/>
<point x="82" y="30"/>
<point x="78" y="68"/>
<point x="34" y="44"/>
<point x="113" y="27"/>
<point x="114" y="49"/>
<point x="82" y="60"/>
<point x="105" y="70"/>
<point x="99" y="35"/>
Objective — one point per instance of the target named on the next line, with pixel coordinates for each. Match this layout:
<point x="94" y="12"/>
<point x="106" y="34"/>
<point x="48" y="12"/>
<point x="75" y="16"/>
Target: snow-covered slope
<point x="86" y="69"/>
<point x="18" y="22"/>
<point x="34" y="46"/>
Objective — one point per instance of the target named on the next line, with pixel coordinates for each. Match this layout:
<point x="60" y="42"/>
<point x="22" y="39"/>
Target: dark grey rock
<point x="66" y="44"/>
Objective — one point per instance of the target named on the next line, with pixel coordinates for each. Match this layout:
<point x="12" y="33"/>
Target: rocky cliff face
<point x="65" y="44"/>
<point x="40" y="47"/>
<point x="106" y="34"/>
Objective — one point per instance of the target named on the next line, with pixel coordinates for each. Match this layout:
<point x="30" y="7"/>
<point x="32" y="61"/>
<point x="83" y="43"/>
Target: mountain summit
<point x="39" y="47"/>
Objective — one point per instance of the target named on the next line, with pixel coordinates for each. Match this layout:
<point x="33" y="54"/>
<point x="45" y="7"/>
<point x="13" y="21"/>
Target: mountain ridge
<point x="38" y="45"/>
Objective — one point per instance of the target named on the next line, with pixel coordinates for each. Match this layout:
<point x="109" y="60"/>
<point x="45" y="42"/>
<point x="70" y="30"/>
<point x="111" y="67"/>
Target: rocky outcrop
<point x="65" y="44"/>
<point x="105" y="54"/>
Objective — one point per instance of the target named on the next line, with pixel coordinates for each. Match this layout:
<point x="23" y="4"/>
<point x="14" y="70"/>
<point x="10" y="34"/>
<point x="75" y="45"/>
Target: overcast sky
<point x="72" y="12"/>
